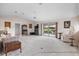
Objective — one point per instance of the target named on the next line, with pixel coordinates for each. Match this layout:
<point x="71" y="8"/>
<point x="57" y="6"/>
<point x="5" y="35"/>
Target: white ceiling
<point x="41" y="12"/>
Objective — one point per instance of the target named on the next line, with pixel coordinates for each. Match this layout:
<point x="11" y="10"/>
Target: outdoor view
<point x="49" y="30"/>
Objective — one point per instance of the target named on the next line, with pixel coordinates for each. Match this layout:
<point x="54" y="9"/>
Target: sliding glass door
<point x="52" y="30"/>
<point x="49" y="29"/>
<point x="45" y="29"/>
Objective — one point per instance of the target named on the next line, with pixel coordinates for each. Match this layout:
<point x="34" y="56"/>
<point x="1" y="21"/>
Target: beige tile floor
<point x="44" y="46"/>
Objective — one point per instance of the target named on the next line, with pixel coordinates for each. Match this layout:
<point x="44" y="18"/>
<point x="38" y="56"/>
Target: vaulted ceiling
<point x="39" y="12"/>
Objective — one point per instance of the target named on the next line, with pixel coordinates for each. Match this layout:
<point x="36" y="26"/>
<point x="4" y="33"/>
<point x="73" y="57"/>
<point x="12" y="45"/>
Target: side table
<point x="59" y="35"/>
<point x="71" y="41"/>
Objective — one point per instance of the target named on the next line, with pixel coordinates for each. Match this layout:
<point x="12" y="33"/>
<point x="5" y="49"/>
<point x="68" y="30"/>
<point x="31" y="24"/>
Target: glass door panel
<point x="45" y="29"/>
<point x="49" y="30"/>
<point x="52" y="30"/>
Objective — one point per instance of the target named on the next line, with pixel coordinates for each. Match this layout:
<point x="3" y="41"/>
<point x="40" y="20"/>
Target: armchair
<point x="66" y="36"/>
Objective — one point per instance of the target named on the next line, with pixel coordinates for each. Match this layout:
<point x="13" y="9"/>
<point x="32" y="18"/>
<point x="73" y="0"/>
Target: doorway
<point x="17" y="29"/>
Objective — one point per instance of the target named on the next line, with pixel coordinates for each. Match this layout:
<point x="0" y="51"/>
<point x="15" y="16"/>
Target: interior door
<point x="17" y="29"/>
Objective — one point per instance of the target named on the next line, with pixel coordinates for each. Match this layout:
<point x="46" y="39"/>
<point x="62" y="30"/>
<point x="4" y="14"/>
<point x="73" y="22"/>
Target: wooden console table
<point x="7" y="45"/>
<point x="11" y="46"/>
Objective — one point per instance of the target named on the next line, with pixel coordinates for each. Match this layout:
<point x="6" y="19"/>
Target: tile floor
<point x="44" y="46"/>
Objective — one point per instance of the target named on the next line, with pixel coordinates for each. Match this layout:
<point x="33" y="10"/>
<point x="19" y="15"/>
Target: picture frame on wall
<point x="67" y="24"/>
<point x="30" y="25"/>
<point x="7" y="24"/>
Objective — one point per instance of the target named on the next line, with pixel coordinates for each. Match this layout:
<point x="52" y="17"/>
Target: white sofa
<point x="76" y="39"/>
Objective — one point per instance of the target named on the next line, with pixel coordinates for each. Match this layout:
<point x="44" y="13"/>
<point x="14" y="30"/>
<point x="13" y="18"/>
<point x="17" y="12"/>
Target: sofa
<point x="76" y="39"/>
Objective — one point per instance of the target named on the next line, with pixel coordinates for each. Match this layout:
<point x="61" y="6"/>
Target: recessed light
<point x="40" y="3"/>
<point x="34" y="17"/>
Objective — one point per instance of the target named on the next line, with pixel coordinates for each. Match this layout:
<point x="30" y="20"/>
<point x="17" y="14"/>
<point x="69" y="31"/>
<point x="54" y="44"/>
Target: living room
<point x="39" y="27"/>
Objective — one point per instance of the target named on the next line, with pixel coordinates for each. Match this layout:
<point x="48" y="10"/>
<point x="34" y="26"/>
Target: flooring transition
<point x="44" y="46"/>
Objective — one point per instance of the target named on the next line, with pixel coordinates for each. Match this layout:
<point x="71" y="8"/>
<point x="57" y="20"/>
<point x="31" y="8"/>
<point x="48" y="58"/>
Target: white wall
<point x="48" y="12"/>
<point x="74" y="24"/>
<point x="16" y="20"/>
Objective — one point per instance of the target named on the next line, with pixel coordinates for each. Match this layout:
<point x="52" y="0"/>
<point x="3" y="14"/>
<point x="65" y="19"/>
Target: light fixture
<point x="34" y="17"/>
<point x="40" y="3"/>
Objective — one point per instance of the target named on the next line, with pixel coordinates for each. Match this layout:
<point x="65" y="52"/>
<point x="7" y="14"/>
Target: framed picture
<point x="66" y="24"/>
<point x="7" y="24"/>
<point x="30" y="25"/>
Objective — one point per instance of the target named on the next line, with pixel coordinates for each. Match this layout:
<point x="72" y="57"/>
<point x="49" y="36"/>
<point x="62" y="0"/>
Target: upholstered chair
<point x="76" y="39"/>
<point x="67" y="34"/>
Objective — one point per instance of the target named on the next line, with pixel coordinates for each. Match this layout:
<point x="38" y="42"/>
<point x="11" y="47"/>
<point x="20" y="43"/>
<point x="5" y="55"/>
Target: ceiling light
<point x="34" y="17"/>
<point x="40" y="3"/>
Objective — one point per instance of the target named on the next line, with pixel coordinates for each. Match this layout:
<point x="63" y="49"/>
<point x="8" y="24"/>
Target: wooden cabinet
<point x="36" y="29"/>
<point x="24" y="30"/>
